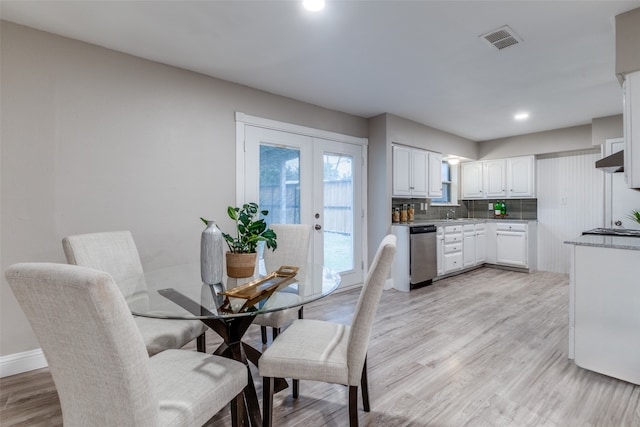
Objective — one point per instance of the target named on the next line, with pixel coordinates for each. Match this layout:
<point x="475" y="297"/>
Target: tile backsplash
<point x="516" y="209"/>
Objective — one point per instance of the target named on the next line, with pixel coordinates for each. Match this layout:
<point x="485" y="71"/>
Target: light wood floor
<point x="486" y="348"/>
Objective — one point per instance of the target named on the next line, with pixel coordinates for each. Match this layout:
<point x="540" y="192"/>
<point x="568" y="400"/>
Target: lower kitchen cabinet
<point x="515" y="244"/>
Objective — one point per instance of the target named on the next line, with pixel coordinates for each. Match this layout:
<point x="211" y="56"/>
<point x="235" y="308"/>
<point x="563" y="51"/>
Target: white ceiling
<point x="422" y="60"/>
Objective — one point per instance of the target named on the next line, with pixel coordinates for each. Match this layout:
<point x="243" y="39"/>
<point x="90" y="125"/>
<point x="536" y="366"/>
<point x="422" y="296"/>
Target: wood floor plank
<point x="486" y="348"/>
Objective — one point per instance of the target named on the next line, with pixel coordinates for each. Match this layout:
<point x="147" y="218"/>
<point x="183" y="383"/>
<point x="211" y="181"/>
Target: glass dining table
<point x="227" y="308"/>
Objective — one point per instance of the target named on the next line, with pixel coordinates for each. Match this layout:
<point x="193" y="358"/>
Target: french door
<point x="303" y="179"/>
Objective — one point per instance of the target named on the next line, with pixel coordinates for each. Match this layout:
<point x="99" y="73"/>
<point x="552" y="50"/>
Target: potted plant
<point x="250" y="230"/>
<point x="635" y="215"/>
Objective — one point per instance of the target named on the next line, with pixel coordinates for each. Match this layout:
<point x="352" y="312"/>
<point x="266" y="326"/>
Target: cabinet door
<point x="435" y="175"/>
<point x="440" y="252"/>
<point x="520" y="176"/>
<point x="469" y="249"/>
<point x="495" y="178"/>
<point x="401" y="171"/>
<point x="511" y="248"/>
<point x="481" y="247"/>
<point x="472" y="180"/>
<point x="419" y="173"/>
<point x="452" y="262"/>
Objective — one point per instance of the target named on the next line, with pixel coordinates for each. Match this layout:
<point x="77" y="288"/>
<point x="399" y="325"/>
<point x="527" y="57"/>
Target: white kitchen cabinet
<point x="401" y="266"/>
<point x="515" y="244"/>
<point x="631" y="118"/>
<point x="495" y="178"/>
<point x="472" y="177"/>
<point x="512" y="246"/>
<point x="521" y="177"/>
<point x="440" y="250"/>
<point x="452" y="257"/>
<point x="435" y="176"/>
<point x="469" y="245"/>
<point x="481" y="244"/>
<point x="501" y="178"/>
<point x="410" y="172"/>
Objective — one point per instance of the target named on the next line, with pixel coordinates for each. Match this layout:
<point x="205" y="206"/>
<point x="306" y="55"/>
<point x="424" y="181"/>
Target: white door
<point x="338" y="212"/>
<point x="305" y="180"/>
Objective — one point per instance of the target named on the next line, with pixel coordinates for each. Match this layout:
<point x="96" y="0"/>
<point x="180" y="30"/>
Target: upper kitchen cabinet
<point x="435" y="176"/>
<point x="495" y="178"/>
<point x="410" y="172"/>
<point x="513" y="177"/>
<point x="631" y="117"/>
<point x="472" y="180"/>
<point x="521" y="177"/>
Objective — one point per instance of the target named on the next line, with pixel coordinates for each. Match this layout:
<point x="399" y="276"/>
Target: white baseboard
<point x="22" y="362"/>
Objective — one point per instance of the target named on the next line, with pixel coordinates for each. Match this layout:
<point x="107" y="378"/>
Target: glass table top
<point x="178" y="293"/>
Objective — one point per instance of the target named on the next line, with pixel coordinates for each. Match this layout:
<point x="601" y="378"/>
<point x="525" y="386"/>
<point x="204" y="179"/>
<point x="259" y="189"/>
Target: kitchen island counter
<point x="604" y="305"/>
<point x="613" y="242"/>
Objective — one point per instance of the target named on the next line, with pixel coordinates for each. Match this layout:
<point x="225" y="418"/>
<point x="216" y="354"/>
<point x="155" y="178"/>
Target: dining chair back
<point x="102" y="372"/>
<point x="115" y="253"/>
<point x="293" y="249"/>
<point x="324" y="351"/>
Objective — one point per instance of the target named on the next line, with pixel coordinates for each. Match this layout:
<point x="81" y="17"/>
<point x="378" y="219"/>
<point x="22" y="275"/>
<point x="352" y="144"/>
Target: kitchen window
<point x="449" y="185"/>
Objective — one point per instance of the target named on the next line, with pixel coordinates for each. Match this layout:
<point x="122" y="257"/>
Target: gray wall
<point x="627" y="41"/>
<point x="384" y="130"/>
<point x="408" y="132"/>
<point x="604" y="128"/>
<point x="553" y="141"/>
<point x="95" y="140"/>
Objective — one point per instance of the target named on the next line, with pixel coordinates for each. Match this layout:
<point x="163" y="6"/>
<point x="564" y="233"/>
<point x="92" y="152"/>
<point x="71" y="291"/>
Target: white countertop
<point x="615" y="242"/>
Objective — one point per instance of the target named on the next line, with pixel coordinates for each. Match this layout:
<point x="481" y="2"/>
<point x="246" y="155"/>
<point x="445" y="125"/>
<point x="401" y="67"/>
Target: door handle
<point x="317" y="227"/>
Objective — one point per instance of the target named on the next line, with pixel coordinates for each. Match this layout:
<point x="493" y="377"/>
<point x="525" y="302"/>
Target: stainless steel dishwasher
<point x="423" y="259"/>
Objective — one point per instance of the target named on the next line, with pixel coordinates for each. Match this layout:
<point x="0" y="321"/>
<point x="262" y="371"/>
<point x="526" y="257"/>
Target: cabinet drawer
<point x="452" y="262"/>
<point x="452" y="238"/>
<point x="480" y="227"/>
<point x="453" y="229"/>
<point x="501" y="226"/>
<point x="468" y="228"/>
<point x="453" y="247"/>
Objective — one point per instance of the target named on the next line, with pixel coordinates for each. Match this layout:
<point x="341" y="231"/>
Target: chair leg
<point x="301" y="313"/>
<point x="296" y="388"/>
<point x="237" y="410"/>
<point x="275" y="333"/>
<point x="267" y="402"/>
<point x="365" y="387"/>
<point x="353" y="406"/>
<point x="201" y="343"/>
<point x="263" y="332"/>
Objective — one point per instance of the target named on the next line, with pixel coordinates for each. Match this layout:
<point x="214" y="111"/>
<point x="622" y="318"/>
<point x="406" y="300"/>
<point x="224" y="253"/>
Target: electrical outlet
<point x="490" y="206"/>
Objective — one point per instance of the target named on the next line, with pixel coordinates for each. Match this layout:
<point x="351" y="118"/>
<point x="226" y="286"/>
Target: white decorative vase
<point x="211" y="253"/>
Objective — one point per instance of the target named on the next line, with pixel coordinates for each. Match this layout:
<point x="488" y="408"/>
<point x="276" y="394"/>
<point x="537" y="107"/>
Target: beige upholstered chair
<point x="293" y="249"/>
<point x="101" y="369"/>
<point x="116" y="253"/>
<point x="323" y="351"/>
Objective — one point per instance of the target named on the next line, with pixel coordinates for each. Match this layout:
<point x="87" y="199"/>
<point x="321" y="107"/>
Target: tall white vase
<point x="211" y="254"/>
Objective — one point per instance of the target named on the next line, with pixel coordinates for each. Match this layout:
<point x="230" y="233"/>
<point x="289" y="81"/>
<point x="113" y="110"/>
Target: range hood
<point x="612" y="163"/>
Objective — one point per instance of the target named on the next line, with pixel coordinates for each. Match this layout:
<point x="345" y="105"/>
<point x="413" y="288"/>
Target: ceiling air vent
<point x="502" y="37"/>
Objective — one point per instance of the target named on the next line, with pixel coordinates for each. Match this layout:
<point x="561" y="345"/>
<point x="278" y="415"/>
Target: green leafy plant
<point x="635" y="215"/>
<point x="250" y="230"/>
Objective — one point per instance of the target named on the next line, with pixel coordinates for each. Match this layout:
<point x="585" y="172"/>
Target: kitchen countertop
<point x="614" y="242"/>
<point x="442" y="222"/>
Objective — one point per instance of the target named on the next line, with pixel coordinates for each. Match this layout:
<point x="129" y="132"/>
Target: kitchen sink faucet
<point x="451" y="211"/>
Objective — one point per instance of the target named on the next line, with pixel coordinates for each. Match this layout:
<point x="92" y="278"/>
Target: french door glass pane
<point x="280" y="184"/>
<point x="338" y="212"/>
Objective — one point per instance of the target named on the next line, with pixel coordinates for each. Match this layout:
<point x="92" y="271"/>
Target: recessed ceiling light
<point x="521" y="116"/>
<point x="313" y="5"/>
